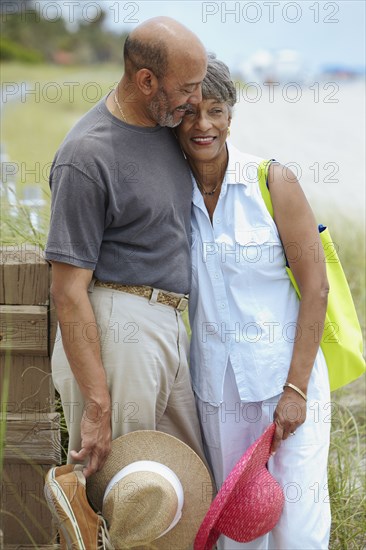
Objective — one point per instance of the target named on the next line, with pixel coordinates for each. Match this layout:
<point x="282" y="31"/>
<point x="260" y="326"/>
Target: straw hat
<point x="153" y="490"/>
<point x="250" y="501"/>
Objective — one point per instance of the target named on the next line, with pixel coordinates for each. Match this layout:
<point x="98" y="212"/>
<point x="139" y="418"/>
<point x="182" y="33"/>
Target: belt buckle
<point x="183" y="303"/>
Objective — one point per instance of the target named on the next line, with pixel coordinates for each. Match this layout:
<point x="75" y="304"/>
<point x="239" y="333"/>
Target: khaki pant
<point x="144" y="349"/>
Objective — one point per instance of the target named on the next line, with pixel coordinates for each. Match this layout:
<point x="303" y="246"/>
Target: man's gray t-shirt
<point x="121" y="203"/>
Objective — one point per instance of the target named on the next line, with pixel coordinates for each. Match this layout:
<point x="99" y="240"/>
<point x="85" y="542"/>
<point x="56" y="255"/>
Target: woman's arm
<point x="300" y="238"/>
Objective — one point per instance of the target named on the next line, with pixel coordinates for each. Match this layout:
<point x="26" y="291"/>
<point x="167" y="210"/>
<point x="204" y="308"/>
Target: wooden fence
<point x="32" y="437"/>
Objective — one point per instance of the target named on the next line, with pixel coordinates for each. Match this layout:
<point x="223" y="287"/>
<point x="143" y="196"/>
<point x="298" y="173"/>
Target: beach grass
<point x="40" y="105"/>
<point x="347" y="468"/>
<point x="33" y="130"/>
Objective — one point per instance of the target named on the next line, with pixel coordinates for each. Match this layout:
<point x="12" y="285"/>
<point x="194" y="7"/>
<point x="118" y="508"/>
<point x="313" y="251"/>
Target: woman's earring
<point x="228" y="131"/>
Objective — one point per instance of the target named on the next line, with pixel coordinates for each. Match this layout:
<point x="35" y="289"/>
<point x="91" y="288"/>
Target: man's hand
<point x="290" y="413"/>
<point x="96" y="437"/>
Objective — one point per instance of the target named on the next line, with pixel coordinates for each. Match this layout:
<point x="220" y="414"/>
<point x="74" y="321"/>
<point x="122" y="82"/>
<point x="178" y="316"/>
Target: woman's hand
<point x="290" y="413"/>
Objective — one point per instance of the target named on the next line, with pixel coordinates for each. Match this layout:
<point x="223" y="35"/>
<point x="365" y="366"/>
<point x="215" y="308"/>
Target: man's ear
<point x="146" y="82"/>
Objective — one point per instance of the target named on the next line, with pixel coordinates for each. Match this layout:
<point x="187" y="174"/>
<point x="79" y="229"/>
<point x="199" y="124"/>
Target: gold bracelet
<point x="296" y="389"/>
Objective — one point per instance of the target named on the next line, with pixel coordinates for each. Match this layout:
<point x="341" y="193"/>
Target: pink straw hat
<point x="250" y="501"/>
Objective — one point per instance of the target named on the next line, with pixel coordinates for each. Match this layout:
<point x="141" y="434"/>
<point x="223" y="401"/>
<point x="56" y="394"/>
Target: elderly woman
<point x="255" y="351"/>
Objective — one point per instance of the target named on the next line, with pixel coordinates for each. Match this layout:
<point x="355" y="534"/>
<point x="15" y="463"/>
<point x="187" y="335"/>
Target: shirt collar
<point x="197" y="197"/>
<point x="239" y="171"/>
<point x="236" y="171"/>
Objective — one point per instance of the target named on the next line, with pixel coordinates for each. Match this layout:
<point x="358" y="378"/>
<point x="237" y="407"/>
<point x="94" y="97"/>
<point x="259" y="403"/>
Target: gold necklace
<point x="119" y="107"/>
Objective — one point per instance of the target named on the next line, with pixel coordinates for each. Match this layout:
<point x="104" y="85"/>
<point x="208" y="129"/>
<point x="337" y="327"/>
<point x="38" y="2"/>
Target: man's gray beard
<point x="159" y="111"/>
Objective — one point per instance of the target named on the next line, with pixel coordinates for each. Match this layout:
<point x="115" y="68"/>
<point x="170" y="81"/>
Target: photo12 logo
<point x="72" y="11"/>
<point x="271" y="12"/>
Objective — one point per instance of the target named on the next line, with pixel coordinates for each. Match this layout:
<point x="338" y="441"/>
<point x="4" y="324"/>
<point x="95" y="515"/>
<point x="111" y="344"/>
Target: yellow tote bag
<point x="341" y="341"/>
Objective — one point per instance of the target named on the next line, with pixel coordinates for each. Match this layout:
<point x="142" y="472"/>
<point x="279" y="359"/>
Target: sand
<point x="321" y="136"/>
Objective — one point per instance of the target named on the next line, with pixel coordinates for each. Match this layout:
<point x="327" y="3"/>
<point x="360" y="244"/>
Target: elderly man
<point x="119" y="243"/>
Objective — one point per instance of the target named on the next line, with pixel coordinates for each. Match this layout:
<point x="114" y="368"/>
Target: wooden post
<point x="32" y="440"/>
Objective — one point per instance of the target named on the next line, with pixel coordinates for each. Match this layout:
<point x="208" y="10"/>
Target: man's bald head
<point x="158" y="42"/>
<point x="165" y="63"/>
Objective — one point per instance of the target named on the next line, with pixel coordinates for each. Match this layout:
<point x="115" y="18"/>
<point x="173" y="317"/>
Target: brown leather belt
<point x="177" y="301"/>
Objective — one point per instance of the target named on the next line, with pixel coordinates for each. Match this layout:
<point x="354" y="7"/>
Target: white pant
<point x="300" y="464"/>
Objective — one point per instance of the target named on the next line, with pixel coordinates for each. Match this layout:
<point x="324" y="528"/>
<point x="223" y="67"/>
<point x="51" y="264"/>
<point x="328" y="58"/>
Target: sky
<point x="323" y="32"/>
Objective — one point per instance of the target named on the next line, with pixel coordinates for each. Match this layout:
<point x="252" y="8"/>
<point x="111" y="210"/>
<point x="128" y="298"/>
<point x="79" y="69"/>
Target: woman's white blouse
<point x="243" y="307"/>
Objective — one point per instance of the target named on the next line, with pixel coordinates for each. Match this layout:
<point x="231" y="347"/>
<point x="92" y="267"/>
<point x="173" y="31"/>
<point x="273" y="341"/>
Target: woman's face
<point x="203" y="131"/>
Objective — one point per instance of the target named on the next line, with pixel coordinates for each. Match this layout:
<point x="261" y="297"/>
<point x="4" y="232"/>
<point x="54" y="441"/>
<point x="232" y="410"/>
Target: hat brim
<point x="225" y="515"/>
<point x="176" y="455"/>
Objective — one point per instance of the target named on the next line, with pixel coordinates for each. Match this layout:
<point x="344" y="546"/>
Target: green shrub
<point x="11" y="51"/>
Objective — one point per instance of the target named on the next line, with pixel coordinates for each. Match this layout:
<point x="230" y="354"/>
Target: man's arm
<point x="74" y="311"/>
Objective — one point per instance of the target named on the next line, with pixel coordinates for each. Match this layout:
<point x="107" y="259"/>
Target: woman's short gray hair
<point x="217" y="83"/>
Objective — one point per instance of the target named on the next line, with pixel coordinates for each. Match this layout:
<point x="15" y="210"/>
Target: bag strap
<point x="263" y="184"/>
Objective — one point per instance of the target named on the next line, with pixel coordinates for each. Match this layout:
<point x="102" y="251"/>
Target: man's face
<point x="179" y="89"/>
